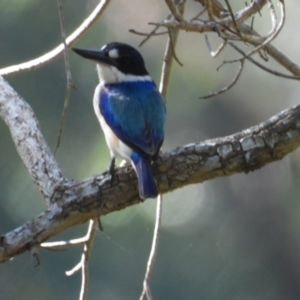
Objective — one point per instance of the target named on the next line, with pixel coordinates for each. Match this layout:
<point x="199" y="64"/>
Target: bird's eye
<point x="125" y="61"/>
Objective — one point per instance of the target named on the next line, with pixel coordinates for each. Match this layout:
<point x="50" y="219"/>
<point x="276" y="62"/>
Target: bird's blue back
<point x="135" y="112"/>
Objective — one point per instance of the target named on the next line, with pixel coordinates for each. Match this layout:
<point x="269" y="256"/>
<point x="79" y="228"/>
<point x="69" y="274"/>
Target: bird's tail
<point x="147" y="185"/>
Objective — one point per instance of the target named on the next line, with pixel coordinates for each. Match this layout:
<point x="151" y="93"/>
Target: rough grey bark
<point x="71" y="203"/>
<point x="29" y="141"/>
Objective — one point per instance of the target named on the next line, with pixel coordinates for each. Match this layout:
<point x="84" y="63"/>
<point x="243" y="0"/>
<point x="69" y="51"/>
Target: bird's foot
<point x="111" y="170"/>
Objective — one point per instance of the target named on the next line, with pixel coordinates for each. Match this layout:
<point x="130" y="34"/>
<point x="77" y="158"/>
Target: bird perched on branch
<point x="130" y="109"/>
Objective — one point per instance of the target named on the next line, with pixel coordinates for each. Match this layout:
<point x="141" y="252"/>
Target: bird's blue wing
<point x="135" y="112"/>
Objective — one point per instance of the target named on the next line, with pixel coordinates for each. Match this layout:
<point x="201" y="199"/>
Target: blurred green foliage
<point x="231" y="238"/>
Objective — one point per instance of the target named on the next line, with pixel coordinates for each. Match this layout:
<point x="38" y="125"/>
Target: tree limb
<point x="77" y="202"/>
<point x="71" y="203"/>
<point x="29" y="141"/>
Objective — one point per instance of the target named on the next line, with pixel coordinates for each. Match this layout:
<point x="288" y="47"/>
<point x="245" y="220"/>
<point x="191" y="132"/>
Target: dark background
<point x="230" y="238"/>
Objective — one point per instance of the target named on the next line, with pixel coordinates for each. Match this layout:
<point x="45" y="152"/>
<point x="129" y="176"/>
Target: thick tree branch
<point x="29" y="141"/>
<point x="245" y="151"/>
<point x="71" y="203"/>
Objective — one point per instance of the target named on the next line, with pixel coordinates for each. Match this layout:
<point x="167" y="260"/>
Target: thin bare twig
<point x="63" y="245"/>
<point x="252" y="22"/>
<point x="173" y="8"/>
<point x="252" y="37"/>
<point x="232" y="17"/>
<point x="198" y="15"/>
<point x="230" y="85"/>
<point x="168" y="59"/>
<point x="87" y="242"/>
<point x="151" y="33"/>
<point x="219" y="49"/>
<point x="58" y="51"/>
<point x="217" y="8"/>
<point x="164" y="84"/>
<point x="147" y="34"/>
<point x="276" y="73"/>
<point x="146" y="289"/>
<point x="263" y="54"/>
<point x="173" y="48"/>
<point x="209" y="8"/>
<point x="275" y="30"/>
<point x="70" y="83"/>
<point x="83" y="264"/>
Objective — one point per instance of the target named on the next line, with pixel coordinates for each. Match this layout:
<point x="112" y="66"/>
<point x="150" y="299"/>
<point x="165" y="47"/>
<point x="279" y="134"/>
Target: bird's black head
<point x="122" y="56"/>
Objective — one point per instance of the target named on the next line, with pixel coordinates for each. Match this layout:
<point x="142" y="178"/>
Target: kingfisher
<point x="130" y="109"/>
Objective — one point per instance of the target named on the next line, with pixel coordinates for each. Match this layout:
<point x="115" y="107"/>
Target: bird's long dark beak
<point x="95" y="55"/>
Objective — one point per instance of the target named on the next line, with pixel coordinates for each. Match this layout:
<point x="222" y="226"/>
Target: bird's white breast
<point x="115" y="145"/>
